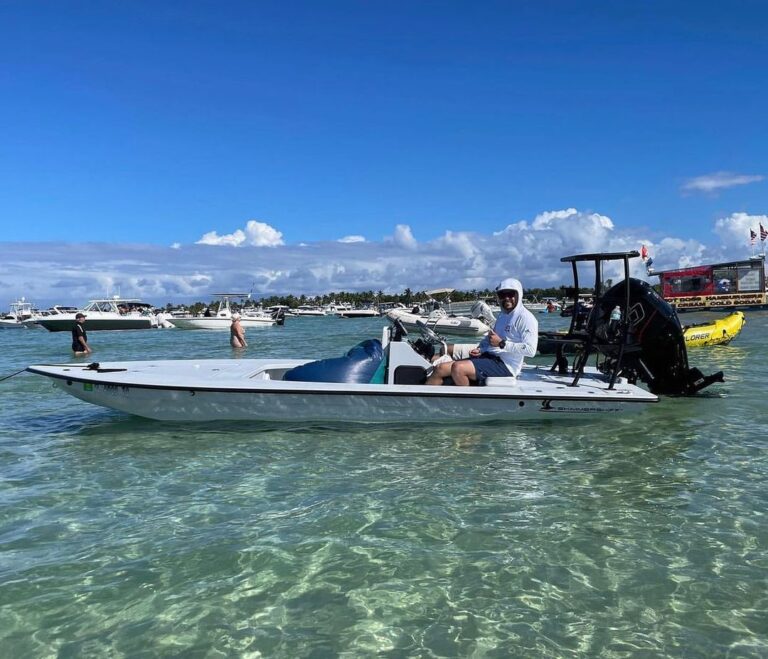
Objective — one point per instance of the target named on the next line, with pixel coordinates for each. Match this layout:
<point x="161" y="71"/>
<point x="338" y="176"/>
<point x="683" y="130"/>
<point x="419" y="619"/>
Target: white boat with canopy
<point x="382" y="381"/>
<point x="114" y="313"/>
<point x="18" y="314"/>
<point x="221" y="317"/>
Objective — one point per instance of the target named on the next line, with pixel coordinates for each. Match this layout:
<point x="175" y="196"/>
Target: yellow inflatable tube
<point x="716" y="332"/>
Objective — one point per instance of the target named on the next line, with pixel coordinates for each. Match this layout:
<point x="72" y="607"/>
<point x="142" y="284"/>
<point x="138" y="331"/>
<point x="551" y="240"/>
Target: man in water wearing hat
<point x="79" y="337"/>
<point x="514" y="336"/>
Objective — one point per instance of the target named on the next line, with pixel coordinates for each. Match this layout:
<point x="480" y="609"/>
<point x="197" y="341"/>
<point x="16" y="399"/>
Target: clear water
<point x="120" y="537"/>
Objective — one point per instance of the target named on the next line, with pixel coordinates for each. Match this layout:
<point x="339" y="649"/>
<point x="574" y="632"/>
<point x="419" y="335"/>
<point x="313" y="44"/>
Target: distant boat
<point x="38" y="314"/>
<point x="476" y="325"/>
<point x="359" y="313"/>
<point x="114" y="313"/>
<point x="368" y="311"/>
<point x="309" y="310"/>
<point x="18" y="313"/>
<point x="221" y="318"/>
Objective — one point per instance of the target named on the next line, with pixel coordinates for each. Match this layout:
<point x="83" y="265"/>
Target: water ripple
<point x="644" y="537"/>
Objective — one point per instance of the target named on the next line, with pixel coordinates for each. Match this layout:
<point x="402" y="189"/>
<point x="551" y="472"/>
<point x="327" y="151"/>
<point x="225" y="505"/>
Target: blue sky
<point x="153" y="127"/>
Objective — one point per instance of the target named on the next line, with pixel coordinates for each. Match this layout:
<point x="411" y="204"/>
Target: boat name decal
<point x="547" y="406"/>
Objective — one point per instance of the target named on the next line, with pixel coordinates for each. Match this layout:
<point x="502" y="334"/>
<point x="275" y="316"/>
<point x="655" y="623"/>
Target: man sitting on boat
<point x="514" y="336"/>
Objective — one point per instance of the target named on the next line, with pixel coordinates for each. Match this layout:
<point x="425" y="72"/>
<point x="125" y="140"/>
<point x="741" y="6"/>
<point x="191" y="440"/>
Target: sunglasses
<point x="503" y="294"/>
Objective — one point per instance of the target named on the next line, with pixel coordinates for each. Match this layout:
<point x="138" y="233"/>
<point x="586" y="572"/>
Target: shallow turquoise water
<point x="638" y="537"/>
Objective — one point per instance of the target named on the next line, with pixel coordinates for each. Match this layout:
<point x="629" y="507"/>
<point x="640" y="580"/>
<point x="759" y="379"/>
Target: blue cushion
<point x="359" y="366"/>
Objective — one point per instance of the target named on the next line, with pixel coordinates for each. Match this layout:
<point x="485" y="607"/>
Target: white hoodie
<point x="519" y="328"/>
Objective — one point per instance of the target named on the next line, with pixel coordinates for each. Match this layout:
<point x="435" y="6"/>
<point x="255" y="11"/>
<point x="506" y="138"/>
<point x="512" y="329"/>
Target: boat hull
<point x="242" y="390"/>
<point x="219" y="323"/>
<point x="358" y="313"/>
<point x="11" y="324"/>
<point x="95" y="323"/>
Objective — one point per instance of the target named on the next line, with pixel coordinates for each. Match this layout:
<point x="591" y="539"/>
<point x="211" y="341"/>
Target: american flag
<point x="752" y="237"/>
<point x="763" y="232"/>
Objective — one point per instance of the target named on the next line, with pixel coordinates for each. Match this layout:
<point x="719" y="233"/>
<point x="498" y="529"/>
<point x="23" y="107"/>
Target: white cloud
<point x="352" y="239"/>
<point x="256" y="234"/>
<point x="531" y="249"/>
<point x="713" y="183"/>
<point x="231" y="239"/>
<point x="733" y="230"/>
<point x="403" y="237"/>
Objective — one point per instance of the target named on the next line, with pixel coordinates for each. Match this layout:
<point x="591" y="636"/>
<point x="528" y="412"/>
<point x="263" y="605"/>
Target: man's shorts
<point x="488" y="365"/>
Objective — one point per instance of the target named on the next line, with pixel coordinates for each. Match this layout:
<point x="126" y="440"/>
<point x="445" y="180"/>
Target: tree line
<point x="366" y="298"/>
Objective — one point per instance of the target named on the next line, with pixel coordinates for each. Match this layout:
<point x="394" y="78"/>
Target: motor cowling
<point x="655" y="352"/>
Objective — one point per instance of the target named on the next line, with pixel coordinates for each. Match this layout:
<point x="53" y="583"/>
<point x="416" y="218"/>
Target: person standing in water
<point x="79" y="336"/>
<point x="237" y="333"/>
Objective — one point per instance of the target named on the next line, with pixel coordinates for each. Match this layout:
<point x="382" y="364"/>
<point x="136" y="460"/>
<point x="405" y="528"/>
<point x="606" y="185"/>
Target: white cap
<point x="235" y="316"/>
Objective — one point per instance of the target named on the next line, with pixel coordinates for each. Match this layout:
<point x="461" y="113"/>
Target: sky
<point x="169" y="150"/>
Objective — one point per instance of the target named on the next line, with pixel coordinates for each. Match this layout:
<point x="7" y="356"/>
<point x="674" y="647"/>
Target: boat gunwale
<point x="422" y="391"/>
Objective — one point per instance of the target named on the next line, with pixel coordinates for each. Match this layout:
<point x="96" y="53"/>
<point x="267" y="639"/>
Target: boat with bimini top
<point x="18" y="314"/>
<point x="221" y="318"/>
<point x="114" y="313"/>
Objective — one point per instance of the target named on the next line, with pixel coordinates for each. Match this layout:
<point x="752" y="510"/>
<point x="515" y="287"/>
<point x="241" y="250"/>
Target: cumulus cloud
<point x="403" y="237"/>
<point x="352" y="239"/>
<point x="256" y="234"/>
<point x="530" y="249"/>
<point x="733" y="230"/>
<point x="714" y="183"/>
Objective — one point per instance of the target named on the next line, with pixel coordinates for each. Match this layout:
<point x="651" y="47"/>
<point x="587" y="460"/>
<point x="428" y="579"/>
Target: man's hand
<point x="494" y="339"/>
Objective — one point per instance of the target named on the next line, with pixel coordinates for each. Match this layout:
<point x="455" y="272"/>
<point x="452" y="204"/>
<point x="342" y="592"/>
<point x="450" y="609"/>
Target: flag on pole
<point x="752" y="237"/>
<point x="763" y="233"/>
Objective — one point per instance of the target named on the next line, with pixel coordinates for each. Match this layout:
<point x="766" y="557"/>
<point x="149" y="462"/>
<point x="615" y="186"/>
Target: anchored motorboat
<point x="18" y="314"/>
<point x="383" y="380"/>
<point x="114" y="313"/>
<point x="439" y="318"/>
<point x="221" y="318"/>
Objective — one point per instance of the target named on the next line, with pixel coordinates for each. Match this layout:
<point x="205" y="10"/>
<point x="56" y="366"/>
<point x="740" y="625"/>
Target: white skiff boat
<point x="383" y="381"/>
<point x="258" y="390"/>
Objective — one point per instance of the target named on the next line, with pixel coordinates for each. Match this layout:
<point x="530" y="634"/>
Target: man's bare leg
<point x="462" y="372"/>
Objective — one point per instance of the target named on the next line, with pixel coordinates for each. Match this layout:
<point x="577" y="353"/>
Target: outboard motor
<point x="655" y="351"/>
<point x="483" y="312"/>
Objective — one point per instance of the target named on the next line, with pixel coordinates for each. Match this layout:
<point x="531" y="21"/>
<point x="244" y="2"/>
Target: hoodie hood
<point x="512" y="284"/>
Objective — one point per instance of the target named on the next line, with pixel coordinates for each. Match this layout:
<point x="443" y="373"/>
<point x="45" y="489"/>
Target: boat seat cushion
<point x="360" y="365"/>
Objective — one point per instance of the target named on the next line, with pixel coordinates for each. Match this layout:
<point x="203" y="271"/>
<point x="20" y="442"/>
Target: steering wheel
<point x="428" y="333"/>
